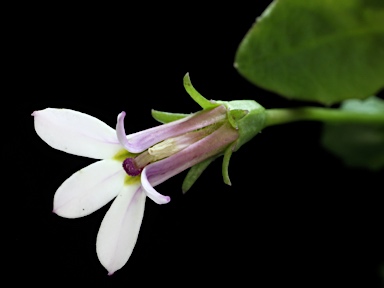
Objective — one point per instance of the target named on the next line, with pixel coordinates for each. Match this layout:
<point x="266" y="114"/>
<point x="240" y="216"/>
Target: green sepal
<point x="196" y="96"/>
<point x="194" y="173"/>
<point x="224" y="169"/>
<point x="166" y="117"/>
<point x="238" y="114"/>
<point x="249" y="117"/>
<point x="235" y="115"/>
<point x="231" y="120"/>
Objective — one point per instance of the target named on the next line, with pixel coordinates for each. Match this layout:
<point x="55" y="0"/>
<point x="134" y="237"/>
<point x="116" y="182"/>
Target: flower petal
<point x="120" y="131"/>
<point x="212" y="145"/>
<point x="89" y="189"/>
<point x="142" y="140"/>
<point x="76" y="133"/>
<point x="120" y="228"/>
<point x="151" y="192"/>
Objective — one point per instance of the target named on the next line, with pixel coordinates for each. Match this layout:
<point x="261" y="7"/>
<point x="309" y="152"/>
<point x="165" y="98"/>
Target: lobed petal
<point x="138" y="142"/>
<point x="120" y="228"/>
<point x="151" y="192"/>
<point x="89" y="189"/>
<point x="76" y="133"/>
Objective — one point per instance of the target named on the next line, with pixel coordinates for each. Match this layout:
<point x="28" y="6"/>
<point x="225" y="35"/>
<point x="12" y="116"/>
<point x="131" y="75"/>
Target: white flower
<point x="129" y="168"/>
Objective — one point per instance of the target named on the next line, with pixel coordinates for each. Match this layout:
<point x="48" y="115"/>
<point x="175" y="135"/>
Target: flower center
<point x="164" y="149"/>
<point x="130" y="167"/>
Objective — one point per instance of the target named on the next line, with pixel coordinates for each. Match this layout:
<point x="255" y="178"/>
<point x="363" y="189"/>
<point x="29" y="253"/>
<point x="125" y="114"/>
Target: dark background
<point x="295" y="215"/>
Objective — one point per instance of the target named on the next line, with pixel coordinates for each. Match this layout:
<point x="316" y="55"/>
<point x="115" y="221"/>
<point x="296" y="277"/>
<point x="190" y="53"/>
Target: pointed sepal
<point x="196" y="96"/>
<point x="194" y="173"/>
<point x="235" y="115"/>
<point x="249" y="117"/>
<point x="227" y="156"/>
<point x="166" y="117"/>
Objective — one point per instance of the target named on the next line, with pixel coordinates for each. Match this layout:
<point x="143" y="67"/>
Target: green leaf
<point x="359" y="145"/>
<point x="317" y="50"/>
<point x="166" y="117"/>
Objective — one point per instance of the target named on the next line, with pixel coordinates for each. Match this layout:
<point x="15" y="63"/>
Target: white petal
<point x="76" y="133"/>
<point x="151" y="192"/>
<point x="120" y="228"/>
<point x="89" y="189"/>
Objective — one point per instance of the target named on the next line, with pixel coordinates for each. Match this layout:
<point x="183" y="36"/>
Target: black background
<point x="294" y="213"/>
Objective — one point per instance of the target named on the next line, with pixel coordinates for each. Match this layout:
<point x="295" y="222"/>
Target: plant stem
<point x="287" y="115"/>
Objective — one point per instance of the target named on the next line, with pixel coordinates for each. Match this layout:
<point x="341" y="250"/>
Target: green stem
<point x="286" y="115"/>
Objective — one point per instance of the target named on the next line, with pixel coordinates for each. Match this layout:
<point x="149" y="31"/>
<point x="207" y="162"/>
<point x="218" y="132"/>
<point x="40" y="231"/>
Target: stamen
<point x="130" y="167"/>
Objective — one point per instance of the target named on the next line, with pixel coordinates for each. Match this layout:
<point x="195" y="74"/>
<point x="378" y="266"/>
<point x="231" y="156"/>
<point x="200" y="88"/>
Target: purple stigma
<point x="130" y="167"/>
